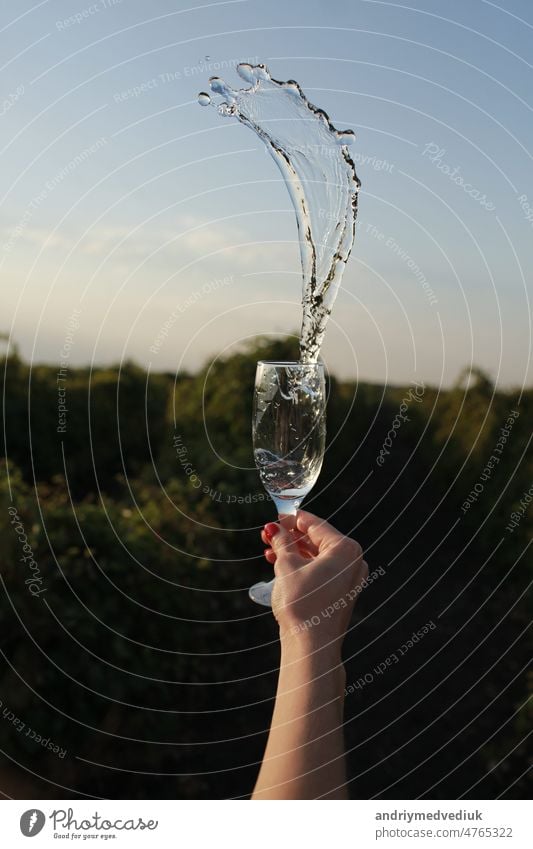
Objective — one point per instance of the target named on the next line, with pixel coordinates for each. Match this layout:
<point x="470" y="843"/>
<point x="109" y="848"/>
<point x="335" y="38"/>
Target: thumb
<point x="285" y="546"/>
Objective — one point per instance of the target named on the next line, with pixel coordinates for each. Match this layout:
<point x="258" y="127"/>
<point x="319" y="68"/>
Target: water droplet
<point x="246" y="72"/>
<point x="204" y="99"/>
<point x="218" y="85"/>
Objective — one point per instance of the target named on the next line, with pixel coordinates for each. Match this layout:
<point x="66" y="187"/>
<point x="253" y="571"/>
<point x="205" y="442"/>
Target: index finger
<point x="320" y="532"/>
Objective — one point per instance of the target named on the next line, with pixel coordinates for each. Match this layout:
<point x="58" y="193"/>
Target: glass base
<point x="261" y="593"/>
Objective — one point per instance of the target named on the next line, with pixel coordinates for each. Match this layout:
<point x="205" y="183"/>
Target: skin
<point x="315" y="567"/>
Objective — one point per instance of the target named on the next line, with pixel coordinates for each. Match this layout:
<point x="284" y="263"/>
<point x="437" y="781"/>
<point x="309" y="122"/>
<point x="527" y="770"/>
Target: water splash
<point x="314" y="160"/>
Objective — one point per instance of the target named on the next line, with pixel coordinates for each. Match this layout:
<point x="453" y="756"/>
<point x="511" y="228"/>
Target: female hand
<point x="319" y="574"/>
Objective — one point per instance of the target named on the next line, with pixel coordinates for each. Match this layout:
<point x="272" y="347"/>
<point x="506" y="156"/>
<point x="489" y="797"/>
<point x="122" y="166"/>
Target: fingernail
<point x="271" y="529"/>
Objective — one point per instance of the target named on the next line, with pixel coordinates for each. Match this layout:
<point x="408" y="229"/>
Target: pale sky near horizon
<point x="126" y="202"/>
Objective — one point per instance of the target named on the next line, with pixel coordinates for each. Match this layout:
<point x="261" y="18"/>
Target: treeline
<point x="142" y="653"/>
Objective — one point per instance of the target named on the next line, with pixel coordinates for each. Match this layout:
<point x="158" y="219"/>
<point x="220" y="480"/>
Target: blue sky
<point x="125" y="201"/>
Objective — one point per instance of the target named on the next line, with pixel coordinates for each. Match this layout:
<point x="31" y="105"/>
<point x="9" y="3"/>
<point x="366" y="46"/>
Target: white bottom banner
<point x="199" y="824"/>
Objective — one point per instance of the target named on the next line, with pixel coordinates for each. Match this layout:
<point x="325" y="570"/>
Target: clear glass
<point x="289" y="437"/>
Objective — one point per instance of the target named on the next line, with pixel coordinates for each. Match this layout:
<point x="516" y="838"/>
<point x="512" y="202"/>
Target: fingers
<point x="304" y="544"/>
<point x="305" y="552"/>
<point x="320" y="532"/>
<point x="270" y="557"/>
<point x="288" y="521"/>
<point x="309" y="534"/>
<point x="284" y="546"/>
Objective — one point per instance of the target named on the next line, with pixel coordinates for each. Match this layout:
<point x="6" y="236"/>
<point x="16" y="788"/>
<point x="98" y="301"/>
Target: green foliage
<point x="143" y="652"/>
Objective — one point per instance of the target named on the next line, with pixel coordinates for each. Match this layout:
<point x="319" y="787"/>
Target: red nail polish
<point x="270" y="529"/>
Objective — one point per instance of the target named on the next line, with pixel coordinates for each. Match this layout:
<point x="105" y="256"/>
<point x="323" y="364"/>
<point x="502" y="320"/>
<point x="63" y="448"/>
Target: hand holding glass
<point x="289" y="435"/>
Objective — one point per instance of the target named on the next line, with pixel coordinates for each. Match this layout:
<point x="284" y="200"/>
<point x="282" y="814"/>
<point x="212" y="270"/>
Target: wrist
<point x="319" y="669"/>
<point x="318" y="642"/>
<point x="316" y="658"/>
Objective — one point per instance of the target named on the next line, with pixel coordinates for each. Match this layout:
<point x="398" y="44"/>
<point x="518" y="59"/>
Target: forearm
<point x="304" y="757"/>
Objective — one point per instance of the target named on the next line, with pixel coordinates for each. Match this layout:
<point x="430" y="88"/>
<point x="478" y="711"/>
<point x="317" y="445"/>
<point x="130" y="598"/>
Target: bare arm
<point x="304" y="757"/>
<point x="316" y="567"/>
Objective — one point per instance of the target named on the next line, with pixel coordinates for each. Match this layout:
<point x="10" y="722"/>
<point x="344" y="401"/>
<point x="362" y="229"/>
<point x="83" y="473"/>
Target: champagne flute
<point x="289" y="435"/>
